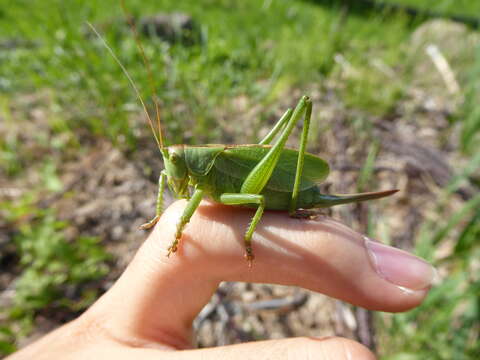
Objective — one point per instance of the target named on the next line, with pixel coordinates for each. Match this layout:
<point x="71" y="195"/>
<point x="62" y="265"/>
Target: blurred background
<point x="396" y="93"/>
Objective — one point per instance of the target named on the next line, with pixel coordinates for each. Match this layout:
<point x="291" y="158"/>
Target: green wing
<point x="200" y="159"/>
<point x="238" y="161"/>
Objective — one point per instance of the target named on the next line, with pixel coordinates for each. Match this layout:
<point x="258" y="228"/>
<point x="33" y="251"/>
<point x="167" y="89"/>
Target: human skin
<point x="148" y="312"/>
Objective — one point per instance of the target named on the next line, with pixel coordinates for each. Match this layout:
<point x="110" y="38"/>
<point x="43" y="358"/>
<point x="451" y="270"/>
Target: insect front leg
<point x="192" y="205"/>
<point x="159" y="208"/>
<point x="243" y="199"/>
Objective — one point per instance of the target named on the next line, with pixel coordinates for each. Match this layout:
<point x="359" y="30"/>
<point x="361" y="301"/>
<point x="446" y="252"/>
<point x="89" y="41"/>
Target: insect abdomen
<point x="216" y="183"/>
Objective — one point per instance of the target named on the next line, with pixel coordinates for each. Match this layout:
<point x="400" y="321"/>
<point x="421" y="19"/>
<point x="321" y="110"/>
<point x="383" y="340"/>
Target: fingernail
<point x="399" y="267"/>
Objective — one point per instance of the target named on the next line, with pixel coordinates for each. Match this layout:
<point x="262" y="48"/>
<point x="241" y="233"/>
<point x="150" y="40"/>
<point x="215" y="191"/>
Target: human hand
<point x="148" y="313"/>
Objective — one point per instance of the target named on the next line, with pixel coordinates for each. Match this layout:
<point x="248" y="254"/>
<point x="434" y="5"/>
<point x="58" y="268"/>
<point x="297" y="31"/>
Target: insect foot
<point x="178" y="234"/>
<point x="150" y="224"/>
<point x="249" y="256"/>
<point x="305" y="214"/>
<point x="172" y="248"/>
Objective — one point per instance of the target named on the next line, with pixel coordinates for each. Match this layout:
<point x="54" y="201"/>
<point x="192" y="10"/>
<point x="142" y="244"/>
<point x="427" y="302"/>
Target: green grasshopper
<point x="259" y="176"/>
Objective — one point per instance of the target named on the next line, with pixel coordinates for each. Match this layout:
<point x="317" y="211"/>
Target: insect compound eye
<point x="174" y="158"/>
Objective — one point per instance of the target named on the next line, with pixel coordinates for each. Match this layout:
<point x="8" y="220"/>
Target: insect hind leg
<point x="243" y="199"/>
<point x="301" y="157"/>
<point x="279" y="126"/>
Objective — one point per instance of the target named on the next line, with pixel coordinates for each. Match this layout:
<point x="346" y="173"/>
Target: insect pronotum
<point x="263" y="176"/>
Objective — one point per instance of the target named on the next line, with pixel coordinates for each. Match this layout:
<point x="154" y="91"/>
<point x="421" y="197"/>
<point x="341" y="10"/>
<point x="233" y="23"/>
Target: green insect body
<point x="219" y="169"/>
<point x="227" y="167"/>
<point x="259" y="176"/>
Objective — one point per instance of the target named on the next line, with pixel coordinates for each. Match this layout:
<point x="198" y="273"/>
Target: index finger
<point x="157" y="298"/>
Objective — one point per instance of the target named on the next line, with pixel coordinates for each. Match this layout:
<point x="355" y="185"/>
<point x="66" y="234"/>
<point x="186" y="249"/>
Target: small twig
<point x="283" y="304"/>
<point x="443" y="68"/>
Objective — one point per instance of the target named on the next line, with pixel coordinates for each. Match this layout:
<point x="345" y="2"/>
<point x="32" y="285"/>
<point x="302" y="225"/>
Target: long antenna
<point x="150" y="122"/>
<point x="149" y="70"/>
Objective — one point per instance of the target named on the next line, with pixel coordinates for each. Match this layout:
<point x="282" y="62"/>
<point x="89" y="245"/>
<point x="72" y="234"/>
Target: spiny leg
<point x="301" y="157"/>
<point x="159" y="208"/>
<point x="261" y="173"/>
<point x="242" y="199"/>
<point x="192" y="205"/>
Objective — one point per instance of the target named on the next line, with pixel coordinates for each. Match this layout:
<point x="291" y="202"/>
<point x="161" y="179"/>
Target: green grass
<point x="89" y="90"/>
<point x="452" y="7"/>
<point x="297" y="42"/>
<point x="261" y="50"/>
<point x="470" y="114"/>
<point x="50" y="266"/>
<point x="446" y="325"/>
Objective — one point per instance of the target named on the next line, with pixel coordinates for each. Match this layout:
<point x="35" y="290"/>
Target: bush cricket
<point x="263" y="176"/>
